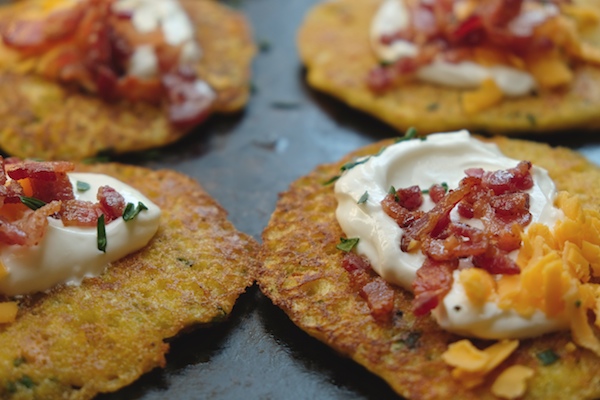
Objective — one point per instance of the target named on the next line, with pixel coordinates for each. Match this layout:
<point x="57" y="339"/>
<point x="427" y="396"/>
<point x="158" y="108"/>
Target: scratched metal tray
<point x="244" y="161"/>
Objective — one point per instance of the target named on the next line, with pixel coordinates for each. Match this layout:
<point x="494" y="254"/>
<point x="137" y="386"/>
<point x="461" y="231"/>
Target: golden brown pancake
<point x="77" y="341"/>
<point x="302" y="273"/>
<point x="334" y="45"/>
<point x="44" y="119"/>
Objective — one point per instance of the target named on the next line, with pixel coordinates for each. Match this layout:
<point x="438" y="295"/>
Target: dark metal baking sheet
<point x="244" y="161"/>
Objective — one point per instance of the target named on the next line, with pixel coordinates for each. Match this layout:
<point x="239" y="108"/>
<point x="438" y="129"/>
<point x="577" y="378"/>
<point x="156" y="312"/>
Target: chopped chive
<point x="411" y="133"/>
<point x="445" y="186"/>
<point x="353" y="164"/>
<point x="331" y="180"/>
<point x="347" y="244"/>
<point x="131" y="211"/>
<point x="82" y="186"/>
<point x="27" y="382"/>
<point x="32" y="202"/>
<point x="392" y="190"/>
<point x="363" y="198"/>
<point x="547" y="357"/>
<point x="577" y="303"/>
<point x="101" y="229"/>
<point x="433" y="106"/>
<point x="532" y="120"/>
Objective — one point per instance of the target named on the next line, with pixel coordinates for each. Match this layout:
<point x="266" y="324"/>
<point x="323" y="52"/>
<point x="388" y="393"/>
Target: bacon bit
<point x="79" y="213"/>
<point x="410" y="197"/>
<point x="45" y="170"/>
<point x="437" y="193"/>
<point x="29" y="230"/>
<point x="494" y="197"/>
<point x="377" y="292"/>
<point x="433" y="282"/>
<point x="189" y="103"/>
<point x="90" y="46"/>
<point x="112" y="203"/>
<point x="380" y="298"/>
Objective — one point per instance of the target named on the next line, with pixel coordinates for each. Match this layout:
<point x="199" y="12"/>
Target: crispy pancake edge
<point x="333" y="42"/>
<point x="46" y="120"/>
<point x="78" y="341"/>
<point x="302" y="273"/>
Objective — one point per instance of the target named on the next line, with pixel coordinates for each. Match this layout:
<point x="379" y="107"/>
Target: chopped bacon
<point x="48" y="182"/>
<point x="29" y="230"/>
<point x="190" y="100"/>
<point x="432" y="283"/>
<point x="90" y="45"/>
<point x="112" y="203"/>
<point x="437" y="193"/>
<point x="377" y="292"/>
<point x="437" y="31"/>
<point x="380" y="298"/>
<point x="496" y="198"/>
<point x="40" y="33"/>
<point x="410" y="198"/>
<point x="79" y="213"/>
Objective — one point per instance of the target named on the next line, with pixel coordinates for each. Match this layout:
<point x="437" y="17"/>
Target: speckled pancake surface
<point x="334" y="45"/>
<point x="302" y="273"/>
<point x="43" y="119"/>
<point x="77" y="341"/>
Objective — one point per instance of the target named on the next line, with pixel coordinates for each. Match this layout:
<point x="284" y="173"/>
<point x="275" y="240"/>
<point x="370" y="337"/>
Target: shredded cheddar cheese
<point x="512" y="382"/>
<point x="484" y="97"/>
<point x="471" y="365"/>
<point x="8" y="312"/>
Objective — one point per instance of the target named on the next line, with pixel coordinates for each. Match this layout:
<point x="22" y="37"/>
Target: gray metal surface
<point x="244" y="161"/>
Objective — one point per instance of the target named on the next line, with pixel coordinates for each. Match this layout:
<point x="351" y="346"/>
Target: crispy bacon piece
<point x="496" y="198"/>
<point x="433" y="282"/>
<point x="112" y="203"/>
<point x="437" y="193"/>
<point x="28" y="231"/>
<point x="79" y="213"/>
<point x="377" y="292"/>
<point x="190" y="100"/>
<point x="380" y="298"/>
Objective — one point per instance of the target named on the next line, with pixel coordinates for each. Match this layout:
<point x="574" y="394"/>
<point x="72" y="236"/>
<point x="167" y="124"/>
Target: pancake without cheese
<point x="334" y="45"/>
<point x="302" y="273"/>
<point x="44" y="119"/>
<point x="77" y="341"/>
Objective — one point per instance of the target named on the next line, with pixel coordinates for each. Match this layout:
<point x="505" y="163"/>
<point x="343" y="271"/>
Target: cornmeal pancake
<point x="302" y="273"/>
<point x="44" y="119"/>
<point x="334" y="45"/>
<point x="77" y="341"/>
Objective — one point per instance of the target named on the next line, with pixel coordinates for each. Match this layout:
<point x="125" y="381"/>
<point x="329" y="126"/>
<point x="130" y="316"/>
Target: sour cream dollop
<point x="393" y="16"/>
<point x="439" y="158"/>
<point x="70" y="254"/>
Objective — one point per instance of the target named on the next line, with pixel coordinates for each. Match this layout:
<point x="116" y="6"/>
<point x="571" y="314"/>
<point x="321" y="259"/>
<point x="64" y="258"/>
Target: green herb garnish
<point x="101" y="229"/>
<point x="82" y="186"/>
<point x="32" y="202"/>
<point x="347" y="244"/>
<point x="411" y="133"/>
<point x="18" y="361"/>
<point x="352" y="164"/>
<point x="363" y="198"/>
<point x="331" y="180"/>
<point x="577" y="303"/>
<point x="532" y="120"/>
<point x="445" y="186"/>
<point x="131" y="211"/>
<point x="547" y="357"/>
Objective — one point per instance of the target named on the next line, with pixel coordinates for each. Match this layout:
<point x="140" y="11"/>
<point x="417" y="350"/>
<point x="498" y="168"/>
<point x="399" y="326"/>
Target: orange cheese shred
<point x="512" y="382"/>
<point x="482" y="98"/>
<point x="8" y="312"/>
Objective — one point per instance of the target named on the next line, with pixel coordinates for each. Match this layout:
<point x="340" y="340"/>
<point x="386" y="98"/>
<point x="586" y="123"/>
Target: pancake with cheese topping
<point x="76" y="341"/>
<point x="61" y="101"/>
<point x="303" y="272"/>
<point x="337" y="48"/>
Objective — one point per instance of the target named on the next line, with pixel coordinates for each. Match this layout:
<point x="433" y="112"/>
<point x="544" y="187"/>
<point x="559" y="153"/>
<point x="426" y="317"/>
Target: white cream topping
<point x="393" y="16"/>
<point x="440" y="158"/>
<point x="168" y="16"/>
<point x="143" y="62"/>
<point x="70" y="254"/>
